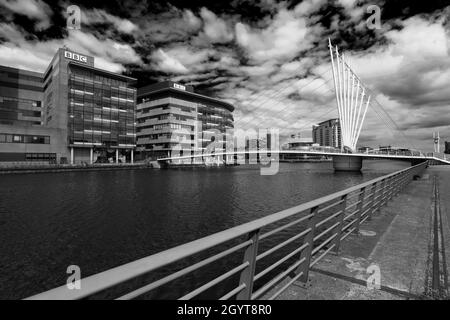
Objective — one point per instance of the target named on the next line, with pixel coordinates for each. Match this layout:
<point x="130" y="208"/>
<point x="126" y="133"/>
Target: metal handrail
<point x="348" y="220"/>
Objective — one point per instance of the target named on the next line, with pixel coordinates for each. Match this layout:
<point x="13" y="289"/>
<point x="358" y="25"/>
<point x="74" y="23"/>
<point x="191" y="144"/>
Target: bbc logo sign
<point x="75" y="56"/>
<point x="179" y="86"/>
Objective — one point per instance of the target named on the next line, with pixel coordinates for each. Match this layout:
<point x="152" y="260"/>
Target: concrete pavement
<point x="398" y="244"/>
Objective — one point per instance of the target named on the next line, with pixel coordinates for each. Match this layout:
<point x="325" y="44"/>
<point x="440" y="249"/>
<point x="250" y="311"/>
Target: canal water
<point x="99" y="220"/>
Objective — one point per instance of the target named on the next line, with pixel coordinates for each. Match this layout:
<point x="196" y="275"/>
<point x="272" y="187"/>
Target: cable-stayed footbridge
<point x="352" y="99"/>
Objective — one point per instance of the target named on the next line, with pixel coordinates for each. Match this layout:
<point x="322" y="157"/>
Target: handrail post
<point x="337" y="241"/>
<point x="395" y="185"/>
<point x="407" y="177"/>
<point x="380" y="196"/>
<point x="403" y="181"/>
<point x="359" y="208"/>
<point x="249" y="272"/>
<point x="306" y="253"/>
<point x="391" y="189"/>
<point x="383" y="193"/>
<point x="371" y="206"/>
<point x="386" y="190"/>
<point x="398" y="184"/>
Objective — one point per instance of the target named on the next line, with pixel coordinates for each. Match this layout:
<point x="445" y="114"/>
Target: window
<point x="16" y="138"/>
<point x="41" y="157"/>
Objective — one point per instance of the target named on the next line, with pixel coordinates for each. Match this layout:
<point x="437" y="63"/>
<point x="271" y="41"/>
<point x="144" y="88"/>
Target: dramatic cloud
<point x="284" y="38"/>
<point x="270" y="59"/>
<point x="215" y="29"/>
<point x="101" y="16"/>
<point x="35" y="55"/>
<point x="413" y="70"/>
<point x="164" y="62"/>
<point x="33" y="9"/>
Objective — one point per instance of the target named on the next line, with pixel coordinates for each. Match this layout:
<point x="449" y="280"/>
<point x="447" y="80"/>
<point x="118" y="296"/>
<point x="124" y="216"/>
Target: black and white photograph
<point x="235" y="158"/>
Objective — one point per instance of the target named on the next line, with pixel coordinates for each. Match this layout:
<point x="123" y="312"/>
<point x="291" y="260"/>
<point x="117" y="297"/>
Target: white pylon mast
<point x="335" y="82"/>
<point x="351" y="98"/>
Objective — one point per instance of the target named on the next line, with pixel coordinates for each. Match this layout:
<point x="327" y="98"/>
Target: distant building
<point x="172" y="117"/>
<point x="447" y="147"/>
<point x="397" y="150"/>
<point x="260" y="143"/>
<point x="328" y="134"/>
<point x="296" y="142"/>
<point x="385" y="148"/>
<point x="364" y="149"/>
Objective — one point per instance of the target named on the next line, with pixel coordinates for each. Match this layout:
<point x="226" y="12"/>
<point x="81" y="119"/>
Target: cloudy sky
<point x="270" y="59"/>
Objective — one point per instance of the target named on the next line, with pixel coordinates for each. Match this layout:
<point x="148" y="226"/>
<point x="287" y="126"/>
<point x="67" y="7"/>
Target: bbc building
<point x="72" y="113"/>
<point x="174" y="120"/>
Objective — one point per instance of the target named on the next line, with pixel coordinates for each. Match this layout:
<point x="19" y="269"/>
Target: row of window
<point x="40" y="157"/>
<point x="23" y="138"/>
<point x="19" y="101"/>
<point x="167" y="136"/>
<point x="163" y="145"/>
<point x="16" y="75"/>
<point x="166" y="116"/>
<point x="90" y="76"/>
<point x="20" y="86"/>
<point x="20" y="122"/>
<point x="112" y="142"/>
<point x="88" y="106"/>
<point x="106" y="92"/>
<point x="166" y="107"/>
<point x="169" y="126"/>
<point x="106" y="117"/>
<point x="15" y="115"/>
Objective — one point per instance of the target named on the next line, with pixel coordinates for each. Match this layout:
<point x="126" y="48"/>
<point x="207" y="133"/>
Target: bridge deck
<point x="397" y="240"/>
<point x="391" y="156"/>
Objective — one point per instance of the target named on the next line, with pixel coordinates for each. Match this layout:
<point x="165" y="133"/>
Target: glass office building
<point x="172" y="118"/>
<point x="96" y="108"/>
<point x="82" y="113"/>
<point x="101" y="114"/>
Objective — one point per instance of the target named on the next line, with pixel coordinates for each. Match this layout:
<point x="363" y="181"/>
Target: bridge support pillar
<point x="347" y="163"/>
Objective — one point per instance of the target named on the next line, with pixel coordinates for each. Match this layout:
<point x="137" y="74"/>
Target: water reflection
<point x="98" y="220"/>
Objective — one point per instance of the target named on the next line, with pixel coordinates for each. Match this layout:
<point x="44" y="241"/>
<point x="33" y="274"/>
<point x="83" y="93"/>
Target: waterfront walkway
<point x="408" y="241"/>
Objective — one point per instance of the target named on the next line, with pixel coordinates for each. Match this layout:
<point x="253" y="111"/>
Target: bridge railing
<point x="316" y="228"/>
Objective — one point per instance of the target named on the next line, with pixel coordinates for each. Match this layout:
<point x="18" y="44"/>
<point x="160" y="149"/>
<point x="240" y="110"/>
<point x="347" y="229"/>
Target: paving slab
<point x="394" y="242"/>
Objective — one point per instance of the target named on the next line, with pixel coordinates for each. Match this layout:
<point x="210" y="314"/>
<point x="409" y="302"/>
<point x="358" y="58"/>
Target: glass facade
<point x="170" y="119"/>
<point x="214" y="119"/>
<point x="18" y="111"/>
<point x="101" y="110"/>
<point x="73" y="110"/>
<point x="164" y="126"/>
<point x="328" y="133"/>
<point x="20" y="97"/>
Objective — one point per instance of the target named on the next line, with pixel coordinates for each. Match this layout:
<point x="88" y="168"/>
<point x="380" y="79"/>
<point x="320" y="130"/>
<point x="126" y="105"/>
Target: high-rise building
<point x="83" y="113"/>
<point x="172" y="117"/>
<point x="23" y="138"/>
<point x="328" y="134"/>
